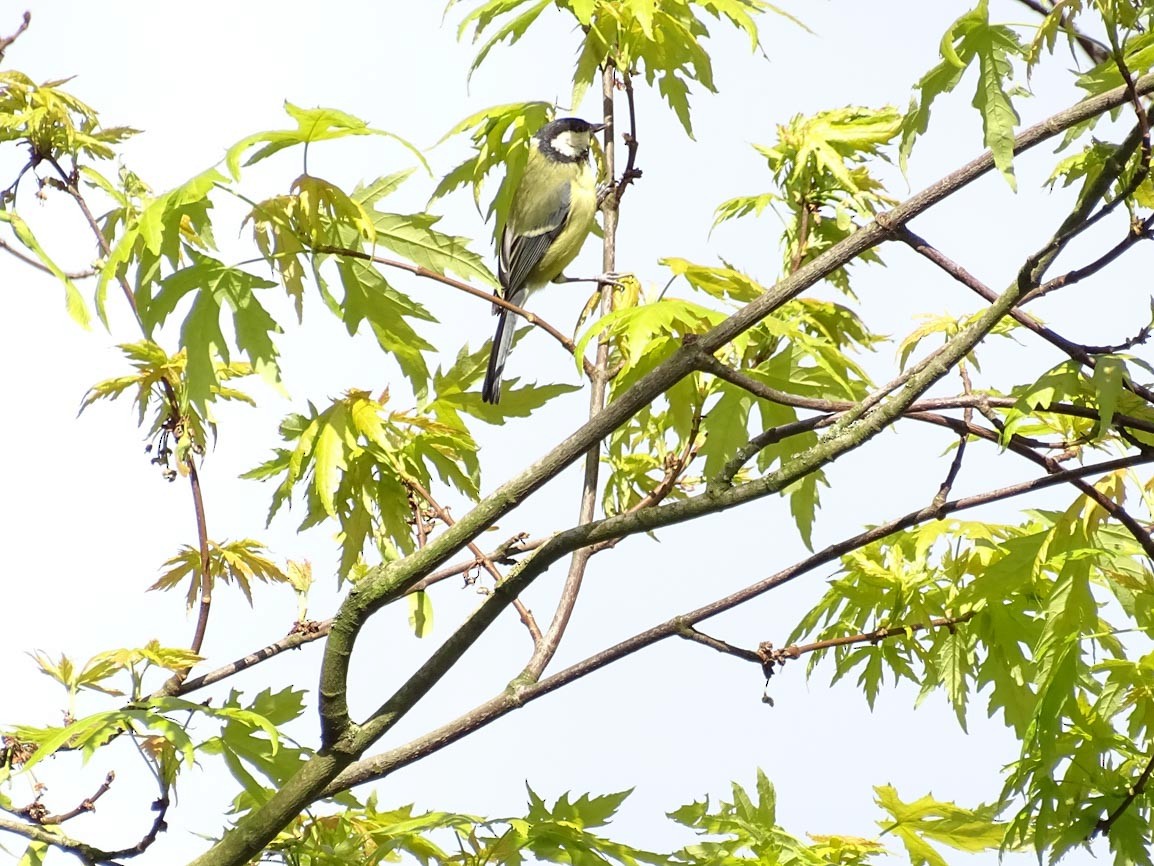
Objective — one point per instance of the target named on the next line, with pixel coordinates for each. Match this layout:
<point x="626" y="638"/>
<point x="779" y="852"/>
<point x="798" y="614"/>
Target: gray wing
<point x="521" y="251"/>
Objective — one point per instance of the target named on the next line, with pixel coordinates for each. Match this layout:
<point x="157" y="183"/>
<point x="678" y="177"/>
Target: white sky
<point x="87" y="521"/>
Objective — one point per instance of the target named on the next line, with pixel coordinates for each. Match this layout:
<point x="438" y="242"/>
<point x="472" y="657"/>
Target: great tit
<point x="549" y="218"/>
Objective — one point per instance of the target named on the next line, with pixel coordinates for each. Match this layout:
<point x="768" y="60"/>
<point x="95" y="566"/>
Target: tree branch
<point x="579" y="562"/>
<point x="381" y="765"/>
<point x="342" y="741"/>
<point x="631" y="172"/>
<point x="1073" y="350"/>
<point x="69" y="184"/>
<point x="767" y="657"/>
<point x="85" y="852"/>
<point x="38" y="814"/>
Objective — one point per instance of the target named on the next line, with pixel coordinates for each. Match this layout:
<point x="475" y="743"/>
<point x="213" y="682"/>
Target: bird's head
<point x="567" y="138"/>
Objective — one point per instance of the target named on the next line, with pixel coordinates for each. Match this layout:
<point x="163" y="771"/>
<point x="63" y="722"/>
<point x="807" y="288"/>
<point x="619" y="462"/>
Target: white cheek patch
<point x="568" y="144"/>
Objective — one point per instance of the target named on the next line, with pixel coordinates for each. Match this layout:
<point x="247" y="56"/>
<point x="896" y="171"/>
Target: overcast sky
<point x="88" y="521"/>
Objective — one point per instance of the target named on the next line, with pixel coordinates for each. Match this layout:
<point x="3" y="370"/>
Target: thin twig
<point x="40" y="266"/>
<point x="1114" y="509"/>
<point x="503" y="553"/>
<point x="488" y="297"/>
<point x="1129" y="343"/>
<point x="69" y="183"/>
<point x="1103" y="827"/>
<point x="6" y="41"/>
<point x="38" y="814"/>
<point x="159" y="824"/>
<point x="89" y="853"/>
<point x="696" y="636"/>
<point x="480" y="556"/>
<point x="767" y="657"/>
<point x="631" y="172"/>
<point x="599" y="381"/>
<point x="1095" y="50"/>
<point x="302" y="633"/>
<point x="206" y="577"/>
<point x="956" y="464"/>
<point x="802" y="237"/>
<point x="1073" y="350"/>
<point x="1135" y="233"/>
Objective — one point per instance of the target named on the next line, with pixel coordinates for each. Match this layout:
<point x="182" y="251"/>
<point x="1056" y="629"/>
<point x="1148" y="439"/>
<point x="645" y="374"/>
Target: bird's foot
<point x="606" y="279"/>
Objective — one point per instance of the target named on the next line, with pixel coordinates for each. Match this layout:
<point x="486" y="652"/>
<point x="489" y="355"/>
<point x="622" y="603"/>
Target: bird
<point x="550" y="215"/>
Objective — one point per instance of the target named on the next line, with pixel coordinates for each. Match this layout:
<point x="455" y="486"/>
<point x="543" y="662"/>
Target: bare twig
<point x="159" y="824"/>
<point x="1129" y="343"/>
<point x="38" y="814"/>
<point x="1143" y="121"/>
<point x="767" y="657"/>
<point x="696" y="636"/>
<point x="6" y="41"/>
<point x="631" y="172"/>
<point x="302" y="633"/>
<point x="206" y="577"/>
<point x="1136" y="233"/>
<point x="956" y="464"/>
<point x="503" y="554"/>
<point x="480" y="556"/>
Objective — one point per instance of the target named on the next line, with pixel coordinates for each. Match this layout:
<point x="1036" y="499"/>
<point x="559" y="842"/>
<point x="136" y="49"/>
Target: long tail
<point x="502" y="341"/>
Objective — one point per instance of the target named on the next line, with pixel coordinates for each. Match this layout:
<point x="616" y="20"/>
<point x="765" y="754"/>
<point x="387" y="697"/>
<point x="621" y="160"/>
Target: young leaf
<point x="420" y="613"/>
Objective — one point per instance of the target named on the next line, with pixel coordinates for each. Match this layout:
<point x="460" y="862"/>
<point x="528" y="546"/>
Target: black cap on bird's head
<point x="567" y="138"/>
